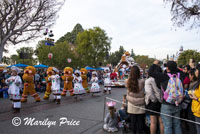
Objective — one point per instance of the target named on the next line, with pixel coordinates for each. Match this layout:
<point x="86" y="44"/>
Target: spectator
<point x="193" y="83"/>
<point x="186" y="101"/>
<point x="89" y="75"/>
<point x="170" y="124"/>
<point x="153" y="102"/>
<point x="135" y="97"/>
<point x="195" y="96"/>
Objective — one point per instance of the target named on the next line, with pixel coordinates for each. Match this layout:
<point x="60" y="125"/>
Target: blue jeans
<point x="171" y="124"/>
<point x="197" y="119"/>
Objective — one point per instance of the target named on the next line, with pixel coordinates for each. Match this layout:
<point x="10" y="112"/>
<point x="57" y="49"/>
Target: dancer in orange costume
<point x="48" y="84"/>
<point x="84" y="78"/>
<point x="28" y="78"/>
<point x="67" y="78"/>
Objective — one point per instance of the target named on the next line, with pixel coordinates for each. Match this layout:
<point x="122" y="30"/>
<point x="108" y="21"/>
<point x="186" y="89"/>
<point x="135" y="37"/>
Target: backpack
<point x="174" y="92"/>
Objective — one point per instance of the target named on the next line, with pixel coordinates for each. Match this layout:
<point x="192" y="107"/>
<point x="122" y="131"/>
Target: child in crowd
<point x="95" y="88"/>
<point x="78" y="87"/>
<point x="14" y="88"/>
<point x="55" y="87"/>
<point x="111" y="120"/>
<point x="124" y="117"/>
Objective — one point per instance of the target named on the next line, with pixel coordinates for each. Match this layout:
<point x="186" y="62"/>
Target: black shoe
<point x="54" y="100"/>
<point x="109" y="91"/>
<point x="16" y="110"/>
<point x="12" y="107"/>
<point x="58" y="101"/>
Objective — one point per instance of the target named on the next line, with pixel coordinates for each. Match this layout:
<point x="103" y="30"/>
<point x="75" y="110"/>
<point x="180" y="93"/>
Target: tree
<point x="92" y="46"/>
<point x="144" y="61"/>
<point x="22" y="20"/>
<point x="13" y="59"/>
<point x="6" y="60"/>
<point x="42" y="52"/>
<point x="61" y="52"/>
<point x="186" y="55"/>
<point x="25" y="56"/>
<point x="185" y="12"/>
<point x="71" y="36"/>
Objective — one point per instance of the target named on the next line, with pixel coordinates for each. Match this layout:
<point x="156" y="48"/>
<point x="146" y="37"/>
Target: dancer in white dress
<point x="78" y="87"/>
<point x="95" y="88"/>
<point x="55" y="87"/>
<point x="14" y="83"/>
<point x="107" y="81"/>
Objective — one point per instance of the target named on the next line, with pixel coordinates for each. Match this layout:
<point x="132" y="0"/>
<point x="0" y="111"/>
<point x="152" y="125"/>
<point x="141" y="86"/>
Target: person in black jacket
<point x="170" y="124"/>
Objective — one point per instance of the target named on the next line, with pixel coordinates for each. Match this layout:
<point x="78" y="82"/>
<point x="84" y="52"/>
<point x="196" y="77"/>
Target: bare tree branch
<point x="185" y="12"/>
<point x="22" y="20"/>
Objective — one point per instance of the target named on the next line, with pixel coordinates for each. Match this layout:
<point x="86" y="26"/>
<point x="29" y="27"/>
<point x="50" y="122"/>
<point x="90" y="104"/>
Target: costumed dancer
<point x="95" y="88"/>
<point x="48" y="83"/>
<point x="78" y="88"/>
<point x="84" y="79"/>
<point x="67" y="78"/>
<point x="55" y="87"/>
<point x="111" y="120"/>
<point x="14" y="88"/>
<point x="107" y="81"/>
<point x="29" y="87"/>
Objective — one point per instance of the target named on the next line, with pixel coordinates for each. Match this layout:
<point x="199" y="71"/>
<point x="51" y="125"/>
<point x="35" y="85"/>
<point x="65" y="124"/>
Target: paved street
<point x="89" y="111"/>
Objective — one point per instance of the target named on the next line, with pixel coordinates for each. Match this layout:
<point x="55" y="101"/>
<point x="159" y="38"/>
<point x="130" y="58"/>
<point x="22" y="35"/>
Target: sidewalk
<point x="89" y="111"/>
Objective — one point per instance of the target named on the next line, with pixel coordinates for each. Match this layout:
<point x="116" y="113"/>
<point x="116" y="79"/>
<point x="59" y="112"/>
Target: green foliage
<point x="71" y="36"/>
<point x="42" y="52"/>
<point x="185" y="56"/>
<point x="61" y="52"/>
<point x="15" y="59"/>
<point x="144" y="61"/>
<point x="6" y="60"/>
<point x="93" y="46"/>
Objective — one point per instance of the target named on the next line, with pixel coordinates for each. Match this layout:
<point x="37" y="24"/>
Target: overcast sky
<point x="143" y="25"/>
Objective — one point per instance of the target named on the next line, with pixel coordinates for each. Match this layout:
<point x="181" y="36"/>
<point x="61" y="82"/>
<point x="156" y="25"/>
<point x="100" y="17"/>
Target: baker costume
<point x="14" y="83"/>
<point x="107" y="81"/>
<point x="78" y="87"/>
<point x="55" y="87"/>
<point x="95" y="88"/>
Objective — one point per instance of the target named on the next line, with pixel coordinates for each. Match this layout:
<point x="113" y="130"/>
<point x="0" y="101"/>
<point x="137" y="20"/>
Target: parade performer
<point x="78" y="88"/>
<point x="28" y="78"/>
<point x="84" y="79"/>
<point x="55" y="87"/>
<point x="107" y="81"/>
<point x="14" y="88"/>
<point x="67" y="78"/>
<point x="48" y="83"/>
<point x="114" y="75"/>
<point x="95" y="88"/>
<point x="111" y="120"/>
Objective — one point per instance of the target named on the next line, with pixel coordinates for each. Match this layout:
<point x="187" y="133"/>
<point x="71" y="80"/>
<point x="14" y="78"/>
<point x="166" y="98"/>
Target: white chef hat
<point x="77" y="72"/>
<point x="15" y="69"/>
<point x="5" y="71"/>
<point x="55" y="70"/>
<point x="94" y="73"/>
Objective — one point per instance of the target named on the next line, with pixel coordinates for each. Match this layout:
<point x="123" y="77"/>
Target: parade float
<point x="122" y="70"/>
